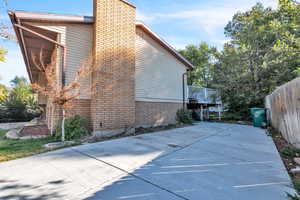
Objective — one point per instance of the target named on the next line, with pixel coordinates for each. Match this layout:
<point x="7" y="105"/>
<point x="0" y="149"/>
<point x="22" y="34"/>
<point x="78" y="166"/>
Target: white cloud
<point x="143" y="17"/>
<point x="208" y="18"/>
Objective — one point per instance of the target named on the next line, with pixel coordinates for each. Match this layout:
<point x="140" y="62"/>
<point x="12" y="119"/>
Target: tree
<point x="6" y="31"/>
<point x="3" y="93"/>
<point x="19" y="103"/>
<point x="263" y="53"/>
<point x="202" y="57"/>
<point x="61" y="95"/>
<point x="19" y="81"/>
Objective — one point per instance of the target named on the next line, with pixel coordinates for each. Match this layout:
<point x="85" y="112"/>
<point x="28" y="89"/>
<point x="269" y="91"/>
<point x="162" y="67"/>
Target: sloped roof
<point x="60" y="18"/>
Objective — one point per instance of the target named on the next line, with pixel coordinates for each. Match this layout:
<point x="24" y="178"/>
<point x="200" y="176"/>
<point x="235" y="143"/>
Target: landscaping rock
<point x="297" y="161"/>
<point x="55" y="145"/>
<point x="295" y="170"/>
<point x="13" y="134"/>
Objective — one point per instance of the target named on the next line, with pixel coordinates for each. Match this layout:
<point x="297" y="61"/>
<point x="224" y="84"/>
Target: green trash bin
<point x="258" y="117"/>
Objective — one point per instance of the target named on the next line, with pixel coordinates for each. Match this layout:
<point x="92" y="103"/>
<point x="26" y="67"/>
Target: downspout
<point x="183" y="89"/>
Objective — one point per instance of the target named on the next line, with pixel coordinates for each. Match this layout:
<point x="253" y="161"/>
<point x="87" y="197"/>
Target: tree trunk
<point x="51" y="119"/>
<point x="63" y="126"/>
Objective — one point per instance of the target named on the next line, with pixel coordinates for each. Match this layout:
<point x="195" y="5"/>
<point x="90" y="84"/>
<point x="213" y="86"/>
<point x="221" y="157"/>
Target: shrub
<point x="184" y="116"/>
<point x="232" y="116"/>
<point x="75" y="127"/>
<point x="290" y="152"/>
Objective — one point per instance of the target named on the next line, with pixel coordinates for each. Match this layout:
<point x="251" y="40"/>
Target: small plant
<point x="184" y="116"/>
<point x="293" y="197"/>
<point x="75" y="127"/>
<point x="297" y="185"/>
<point x="290" y="152"/>
<point x="232" y="116"/>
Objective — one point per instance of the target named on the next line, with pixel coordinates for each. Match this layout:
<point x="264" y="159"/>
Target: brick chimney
<point x="113" y="101"/>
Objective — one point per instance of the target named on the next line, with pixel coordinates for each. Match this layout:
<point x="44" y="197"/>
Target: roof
<point x="60" y="18"/>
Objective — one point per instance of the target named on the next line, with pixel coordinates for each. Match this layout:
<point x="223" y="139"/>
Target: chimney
<point x="113" y="101"/>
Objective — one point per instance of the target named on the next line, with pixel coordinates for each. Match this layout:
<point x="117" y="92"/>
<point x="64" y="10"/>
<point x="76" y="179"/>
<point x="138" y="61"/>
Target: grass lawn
<point x="11" y="149"/>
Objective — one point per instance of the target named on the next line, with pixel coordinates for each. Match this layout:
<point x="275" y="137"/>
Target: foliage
<point x="59" y="93"/>
<point x="184" y="116"/>
<point x="6" y="31"/>
<point x="19" y="81"/>
<point x="3" y="53"/>
<point x="20" y="103"/>
<point x="231" y="116"/>
<point x="293" y="197"/>
<point x="290" y="152"/>
<point x="202" y="57"/>
<point x="297" y="185"/>
<point x="75" y="127"/>
<point x="3" y="93"/>
<point x="263" y="53"/>
<point x="12" y="149"/>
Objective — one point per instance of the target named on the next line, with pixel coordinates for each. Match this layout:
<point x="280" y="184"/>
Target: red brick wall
<point x="82" y="107"/>
<point x="155" y="114"/>
<point x="113" y="101"/>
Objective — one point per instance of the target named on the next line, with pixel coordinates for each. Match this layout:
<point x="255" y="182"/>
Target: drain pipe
<point x="183" y="89"/>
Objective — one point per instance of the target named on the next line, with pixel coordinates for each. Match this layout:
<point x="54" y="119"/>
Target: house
<point x="141" y="78"/>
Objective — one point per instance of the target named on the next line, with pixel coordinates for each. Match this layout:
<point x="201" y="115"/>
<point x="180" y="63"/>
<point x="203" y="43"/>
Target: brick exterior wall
<point x="113" y="99"/>
<point x="82" y="107"/>
<point x="155" y="114"/>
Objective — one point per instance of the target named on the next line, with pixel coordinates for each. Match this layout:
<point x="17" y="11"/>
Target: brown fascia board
<point x="14" y="21"/>
<point x="47" y="17"/>
<point x="56" y="18"/>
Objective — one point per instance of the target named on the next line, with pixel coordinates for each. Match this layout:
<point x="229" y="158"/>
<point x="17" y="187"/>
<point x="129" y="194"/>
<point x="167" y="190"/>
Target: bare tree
<point x="58" y="94"/>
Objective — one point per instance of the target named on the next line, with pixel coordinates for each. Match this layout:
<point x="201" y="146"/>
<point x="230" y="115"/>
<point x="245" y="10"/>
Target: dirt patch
<point x="138" y="131"/>
<point x="287" y="153"/>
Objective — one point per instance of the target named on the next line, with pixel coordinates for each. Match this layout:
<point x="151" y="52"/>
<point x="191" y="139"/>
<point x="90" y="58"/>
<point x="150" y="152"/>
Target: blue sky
<point x="179" y="22"/>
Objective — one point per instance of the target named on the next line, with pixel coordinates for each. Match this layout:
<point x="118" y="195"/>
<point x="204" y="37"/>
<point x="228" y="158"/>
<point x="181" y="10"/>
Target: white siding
<point x="158" y="72"/>
<point x="78" y="40"/>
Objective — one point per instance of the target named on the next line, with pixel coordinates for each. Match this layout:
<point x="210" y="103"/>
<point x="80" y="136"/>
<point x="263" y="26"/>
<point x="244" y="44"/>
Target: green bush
<point x="290" y="152"/>
<point x="75" y="127"/>
<point x="184" y="116"/>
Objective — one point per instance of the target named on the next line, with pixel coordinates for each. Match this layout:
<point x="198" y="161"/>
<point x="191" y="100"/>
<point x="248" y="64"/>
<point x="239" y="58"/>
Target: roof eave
<point x="47" y="17"/>
<point x="14" y="20"/>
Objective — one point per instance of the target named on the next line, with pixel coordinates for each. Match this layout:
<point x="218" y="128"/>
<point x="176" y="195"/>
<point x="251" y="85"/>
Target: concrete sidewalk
<point x="210" y="161"/>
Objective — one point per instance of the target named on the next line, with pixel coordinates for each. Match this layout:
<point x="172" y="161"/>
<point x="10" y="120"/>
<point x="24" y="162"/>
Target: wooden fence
<point x="284" y="107"/>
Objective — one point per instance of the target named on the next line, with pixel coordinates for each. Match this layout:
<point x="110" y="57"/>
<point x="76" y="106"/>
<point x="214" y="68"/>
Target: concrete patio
<point x="210" y="161"/>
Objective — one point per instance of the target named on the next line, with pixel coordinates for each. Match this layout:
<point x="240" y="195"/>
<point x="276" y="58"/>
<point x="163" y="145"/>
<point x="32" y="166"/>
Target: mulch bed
<point x="138" y="131"/>
<point x="282" y="145"/>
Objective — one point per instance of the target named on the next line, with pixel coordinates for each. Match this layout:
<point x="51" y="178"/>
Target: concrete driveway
<point x="209" y="161"/>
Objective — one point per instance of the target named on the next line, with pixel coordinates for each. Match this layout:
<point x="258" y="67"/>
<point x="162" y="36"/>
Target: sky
<point x="178" y="22"/>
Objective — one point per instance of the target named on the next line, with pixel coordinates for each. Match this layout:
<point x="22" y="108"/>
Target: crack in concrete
<point x="132" y="174"/>
<point x="167" y="154"/>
